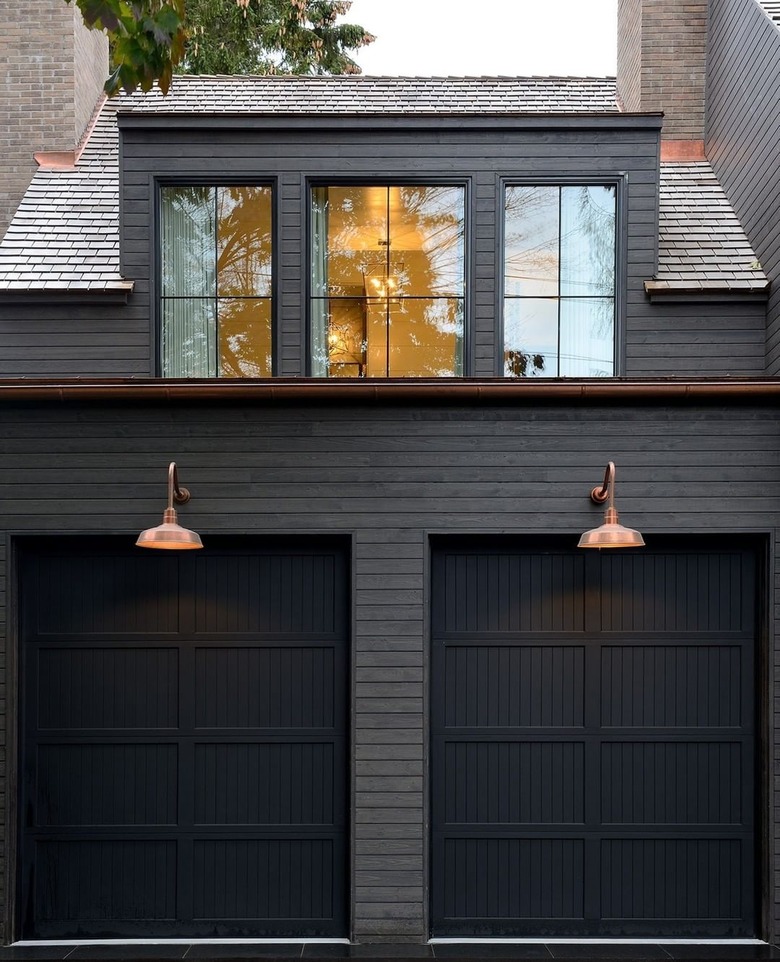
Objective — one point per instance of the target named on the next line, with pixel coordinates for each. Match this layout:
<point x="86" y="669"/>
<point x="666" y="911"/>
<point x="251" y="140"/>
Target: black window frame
<point x="469" y="281"/>
<point x="156" y="291"/>
<point x="620" y="182"/>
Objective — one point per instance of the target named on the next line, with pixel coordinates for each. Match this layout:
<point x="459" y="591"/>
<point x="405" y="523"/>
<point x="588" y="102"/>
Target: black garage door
<point x="592" y="744"/>
<point x="183" y="743"/>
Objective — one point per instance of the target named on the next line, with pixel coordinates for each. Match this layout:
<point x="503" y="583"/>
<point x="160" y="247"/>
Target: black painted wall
<point x="389" y="478"/>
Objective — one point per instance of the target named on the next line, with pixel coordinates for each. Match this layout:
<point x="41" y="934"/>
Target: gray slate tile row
<point x="701" y="243"/>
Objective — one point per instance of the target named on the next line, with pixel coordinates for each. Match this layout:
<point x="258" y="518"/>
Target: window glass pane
<point x="531" y="337"/>
<point x="382" y="256"/>
<point x="354" y="220"/>
<point x="188" y="241"/>
<point x="245" y="337"/>
<point x="340" y="351"/>
<point x="347" y="337"/>
<point x="415" y="337"/>
<point x="531" y="242"/>
<point x="319" y="250"/>
<point x="426" y="240"/>
<point x="189" y="338"/>
<point x="587" y="241"/>
<point x="587" y="337"/>
<point x="216" y="244"/>
<point x="244" y="241"/>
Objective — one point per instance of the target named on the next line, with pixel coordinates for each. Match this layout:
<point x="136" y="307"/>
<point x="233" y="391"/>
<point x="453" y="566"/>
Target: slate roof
<point x="379" y="95"/>
<point x="701" y="244"/>
<point x="64" y="237"/>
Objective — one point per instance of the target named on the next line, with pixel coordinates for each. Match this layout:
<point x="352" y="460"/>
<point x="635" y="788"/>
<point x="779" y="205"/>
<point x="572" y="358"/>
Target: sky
<point x="488" y="37"/>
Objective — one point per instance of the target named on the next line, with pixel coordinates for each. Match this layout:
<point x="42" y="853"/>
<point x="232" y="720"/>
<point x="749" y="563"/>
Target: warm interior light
<point x="610" y="534"/>
<point x="382" y="285"/>
<point x="170" y="535"/>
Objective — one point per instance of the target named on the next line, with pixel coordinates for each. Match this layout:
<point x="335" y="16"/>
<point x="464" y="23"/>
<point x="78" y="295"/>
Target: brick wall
<point x="629" y="53"/>
<point x="52" y="70"/>
<point x="662" y="60"/>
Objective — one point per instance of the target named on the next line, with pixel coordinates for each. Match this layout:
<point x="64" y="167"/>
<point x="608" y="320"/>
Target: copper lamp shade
<point x="611" y="534"/>
<point x="170" y="536"/>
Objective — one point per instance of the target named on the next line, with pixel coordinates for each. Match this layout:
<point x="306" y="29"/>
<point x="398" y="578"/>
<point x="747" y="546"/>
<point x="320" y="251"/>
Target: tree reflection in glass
<point x="559" y="281"/>
<point x="387" y="280"/>
<point x="216" y="281"/>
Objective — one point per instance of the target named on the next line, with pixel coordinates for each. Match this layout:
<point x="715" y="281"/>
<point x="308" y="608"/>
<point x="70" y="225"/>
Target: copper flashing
<point x="468" y="391"/>
<point x="56" y="159"/>
<point x="682" y="151"/>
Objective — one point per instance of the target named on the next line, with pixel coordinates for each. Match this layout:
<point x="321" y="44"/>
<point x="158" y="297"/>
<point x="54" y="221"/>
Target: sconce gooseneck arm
<point x="607" y="489"/>
<point x="176" y="493"/>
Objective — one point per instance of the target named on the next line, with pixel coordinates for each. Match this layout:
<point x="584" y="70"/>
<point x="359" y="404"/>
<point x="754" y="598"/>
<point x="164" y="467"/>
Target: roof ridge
<point x="367" y="78"/>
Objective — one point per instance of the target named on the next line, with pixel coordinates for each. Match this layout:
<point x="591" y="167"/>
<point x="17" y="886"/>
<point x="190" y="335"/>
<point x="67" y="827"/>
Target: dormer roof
<point x="360" y="94"/>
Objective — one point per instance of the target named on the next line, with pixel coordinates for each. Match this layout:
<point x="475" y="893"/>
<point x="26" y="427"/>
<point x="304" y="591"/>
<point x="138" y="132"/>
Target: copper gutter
<point x="467" y="391"/>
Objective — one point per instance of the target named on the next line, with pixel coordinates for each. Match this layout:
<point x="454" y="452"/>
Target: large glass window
<point x="387" y="281"/>
<point x="216" y="281"/>
<point x="559" y="281"/>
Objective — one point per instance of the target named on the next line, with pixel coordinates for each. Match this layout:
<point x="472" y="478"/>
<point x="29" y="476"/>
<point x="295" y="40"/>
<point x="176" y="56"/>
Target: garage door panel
<point x="514" y="782"/>
<point x="192" y="783"/>
<point x="676" y="592"/>
<point x="107" y="688"/>
<point x="480" y="593"/>
<point x="94" y="881"/>
<point x="106" y="784"/>
<point x="264" y="878"/>
<point x="266" y="783"/>
<point x="623" y="750"/>
<point x="672" y="879"/>
<point x="269" y="594"/>
<point x="672" y="783"/>
<point x="673" y="685"/>
<point x="513" y="878"/>
<point x="119" y="597"/>
<point x="513" y="686"/>
<point x="265" y="687"/>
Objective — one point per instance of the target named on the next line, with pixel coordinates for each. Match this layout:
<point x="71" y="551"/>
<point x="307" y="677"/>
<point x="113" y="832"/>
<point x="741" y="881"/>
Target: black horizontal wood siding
<point x="660" y="339"/>
<point x="389" y="478"/>
<point x="743" y="135"/>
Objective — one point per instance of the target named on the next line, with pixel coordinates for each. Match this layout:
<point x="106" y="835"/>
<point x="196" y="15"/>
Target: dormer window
<point x="559" y="281"/>
<point x="216" y="281"/>
<point x="387" y="281"/>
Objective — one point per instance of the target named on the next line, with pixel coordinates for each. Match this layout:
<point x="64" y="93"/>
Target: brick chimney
<point x="52" y="71"/>
<point x="661" y="65"/>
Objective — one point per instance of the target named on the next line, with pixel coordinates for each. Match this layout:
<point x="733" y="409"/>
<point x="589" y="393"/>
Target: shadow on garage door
<point x="183" y="740"/>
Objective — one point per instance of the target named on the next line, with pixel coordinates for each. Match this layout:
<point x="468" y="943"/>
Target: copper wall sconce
<point x="170" y="535"/>
<point x="611" y="534"/>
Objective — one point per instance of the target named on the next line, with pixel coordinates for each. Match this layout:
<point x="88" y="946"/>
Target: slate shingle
<point x="702" y="245"/>
<point x="379" y="95"/>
